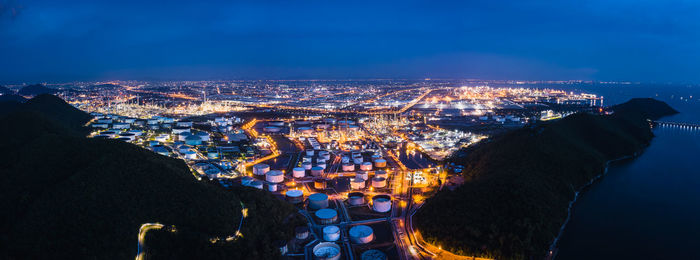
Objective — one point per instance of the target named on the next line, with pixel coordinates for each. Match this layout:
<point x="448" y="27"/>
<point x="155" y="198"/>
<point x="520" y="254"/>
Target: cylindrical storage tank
<point x="274" y="176"/>
<point x="375" y="157"/>
<point x="362" y="174"/>
<point x="298" y="172"/>
<point x="357" y="160"/>
<point x="261" y="169"/>
<point x="331" y="233"/>
<point x="380" y="163"/>
<point x="348" y="167"/>
<point x="301" y="232"/>
<point x="356" y="198"/>
<point x="246" y="180"/>
<point x="295" y="196"/>
<point x="305" y="130"/>
<point x="282" y="245"/>
<point x="357" y="183"/>
<point x="345" y="159"/>
<point x="320" y="184"/>
<point x="307" y="159"/>
<point x="272" y="187"/>
<point x="326" y="216"/>
<point x="327" y="251"/>
<point x="366" y="166"/>
<point x="326" y="156"/>
<point x="373" y="254"/>
<point x="316" y="171"/>
<point x="256" y="184"/>
<point x="322" y="165"/>
<point x="309" y="152"/>
<point x="307" y="165"/>
<point x="271" y="129"/>
<point x="381" y="174"/>
<point x="381" y="203"/>
<point x="318" y="201"/>
<point x="361" y="234"/>
<point x="378" y="182"/>
<point x="190" y="155"/>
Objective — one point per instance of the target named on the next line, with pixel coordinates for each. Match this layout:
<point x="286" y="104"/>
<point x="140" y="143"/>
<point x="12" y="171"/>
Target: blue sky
<point x="529" y="40"/>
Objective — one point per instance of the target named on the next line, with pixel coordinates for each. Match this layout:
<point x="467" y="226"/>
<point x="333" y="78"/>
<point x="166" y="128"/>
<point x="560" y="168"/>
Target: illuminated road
<point x="141" y="254"/>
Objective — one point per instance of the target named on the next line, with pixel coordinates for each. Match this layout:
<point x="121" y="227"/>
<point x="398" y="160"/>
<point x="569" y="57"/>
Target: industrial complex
<point x="356" y="158"/>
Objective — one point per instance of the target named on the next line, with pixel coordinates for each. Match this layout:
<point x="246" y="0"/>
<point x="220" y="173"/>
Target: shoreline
<point x="552" y="253"/>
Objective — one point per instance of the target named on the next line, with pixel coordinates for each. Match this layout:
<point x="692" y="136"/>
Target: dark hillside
<point x="66" y="196"/>
<point x="34" y="90"/>
<point x="519" y="185"/>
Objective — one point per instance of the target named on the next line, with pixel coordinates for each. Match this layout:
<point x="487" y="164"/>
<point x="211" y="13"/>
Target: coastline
<point x="552" y="253"/>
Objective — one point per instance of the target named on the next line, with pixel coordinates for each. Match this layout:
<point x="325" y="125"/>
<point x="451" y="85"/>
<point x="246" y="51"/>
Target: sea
<point x="647" y="207"/>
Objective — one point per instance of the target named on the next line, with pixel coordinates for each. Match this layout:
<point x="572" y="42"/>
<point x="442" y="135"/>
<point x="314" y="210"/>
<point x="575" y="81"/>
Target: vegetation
<point x="519" y="185"/>
<point x="67" y="196"/>
<point x="6" y="91"/>
<point x="34" y="90"/>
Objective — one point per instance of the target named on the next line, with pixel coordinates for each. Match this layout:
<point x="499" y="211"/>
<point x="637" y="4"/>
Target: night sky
<point x="65" y="40"/>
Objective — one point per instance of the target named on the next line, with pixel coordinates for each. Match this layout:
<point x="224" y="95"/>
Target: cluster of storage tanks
<point x="273" y="178"/>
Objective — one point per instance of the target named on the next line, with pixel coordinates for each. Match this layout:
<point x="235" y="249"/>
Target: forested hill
<point x="36" y="89"/>
<point x="519" y="185"/>
<point x="66" y="196"/>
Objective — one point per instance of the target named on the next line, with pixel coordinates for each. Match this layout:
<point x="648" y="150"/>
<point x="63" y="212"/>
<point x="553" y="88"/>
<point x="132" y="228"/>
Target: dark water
<point x="648" y="207"/>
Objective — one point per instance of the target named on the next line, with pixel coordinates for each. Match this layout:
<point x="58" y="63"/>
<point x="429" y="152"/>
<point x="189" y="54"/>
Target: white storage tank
<point x="307" y="165"/>
<point x="318" y="201"/>
<point x="356" y="198"/>
<point x="357" y="183"/>
<point x="256" y="184"/>
<point x="375" y="157"/>
<point x="326" y="216"/>
<point x="204" y="136"/>
<point x="348" y="167"/>
<point x="305" y="130"/>
<point x="381" y="203"/>
<point x="357" y="160"/>
<point x="301" y="232"/>
<point x="381" y="174"/>
<point x="271" y="129"/>
<point x="345" y="159"/>
<point x="261" y="169"/>
<point x="274" y="176"/>
<point x="378" y="182"/>
<point x="190" y="155"/>
<point x="282" y="245"/>
<point x="246" y="180"/>
<point x="331" y="233"/>
<point x="373" y="254"/>
<point x="380" y="163"/>
<point x="295" y="196"/>
<point x="316" y="171"/>
<point x="322" y="165"/>
<point x="327" y="251"/>
<point x="309" y="152"/>
<point x="362" y="174"/>
<point x="366" y="166"/>
<point x="361" y="234"/>
<point x="298" y="172"/>
<point x="272" y="187"/>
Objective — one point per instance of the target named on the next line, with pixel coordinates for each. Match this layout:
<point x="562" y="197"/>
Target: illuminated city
<point x="349" y="130"/>
<point x="350" y="154"/>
